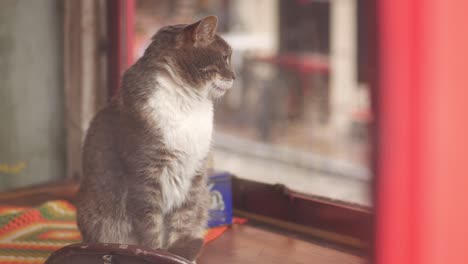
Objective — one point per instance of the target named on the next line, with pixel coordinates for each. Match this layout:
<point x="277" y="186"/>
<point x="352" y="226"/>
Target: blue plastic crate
<point x="220" y="212"/>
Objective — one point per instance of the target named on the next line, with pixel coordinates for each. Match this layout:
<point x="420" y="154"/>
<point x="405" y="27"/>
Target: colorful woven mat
<point x="30" y="235"/>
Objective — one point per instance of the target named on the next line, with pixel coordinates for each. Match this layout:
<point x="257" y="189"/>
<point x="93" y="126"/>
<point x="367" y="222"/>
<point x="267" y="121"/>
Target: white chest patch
<point x="186" y="130"/>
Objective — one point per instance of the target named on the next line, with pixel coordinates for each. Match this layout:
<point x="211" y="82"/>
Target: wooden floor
<point x="250" y="245"/>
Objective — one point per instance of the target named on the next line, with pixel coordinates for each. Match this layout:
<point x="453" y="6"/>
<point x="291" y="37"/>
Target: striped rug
<point x="30" y="235"/>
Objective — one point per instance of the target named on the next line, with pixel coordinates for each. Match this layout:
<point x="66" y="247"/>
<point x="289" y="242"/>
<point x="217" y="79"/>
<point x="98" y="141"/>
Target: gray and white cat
<point x="144" y="156"/>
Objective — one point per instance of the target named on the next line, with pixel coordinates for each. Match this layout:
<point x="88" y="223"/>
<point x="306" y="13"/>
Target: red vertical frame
<point x="121" y="30"/>
<point x="422" y="167"/>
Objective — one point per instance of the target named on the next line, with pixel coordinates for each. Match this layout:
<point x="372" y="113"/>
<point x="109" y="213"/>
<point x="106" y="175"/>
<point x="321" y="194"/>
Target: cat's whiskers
<point x="190" y="93"/>
<point x="184" y="91"/>
<point x="185" y="97"/>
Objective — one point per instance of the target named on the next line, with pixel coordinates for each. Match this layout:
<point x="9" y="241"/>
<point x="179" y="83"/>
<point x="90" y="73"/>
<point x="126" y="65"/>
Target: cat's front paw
<point x="187" y="247"/>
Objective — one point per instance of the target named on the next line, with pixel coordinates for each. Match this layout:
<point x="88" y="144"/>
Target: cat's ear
<point x="203" y="32"/>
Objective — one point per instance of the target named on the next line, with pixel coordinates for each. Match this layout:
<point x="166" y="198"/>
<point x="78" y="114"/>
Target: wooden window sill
<point x="246" y="244"/>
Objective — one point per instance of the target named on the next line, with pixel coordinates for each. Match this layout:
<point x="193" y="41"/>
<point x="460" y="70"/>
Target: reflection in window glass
<point x="298" y="113"/>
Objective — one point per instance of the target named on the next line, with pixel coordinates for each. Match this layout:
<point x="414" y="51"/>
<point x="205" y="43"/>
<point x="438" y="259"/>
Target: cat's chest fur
<point x="186" y="129"/>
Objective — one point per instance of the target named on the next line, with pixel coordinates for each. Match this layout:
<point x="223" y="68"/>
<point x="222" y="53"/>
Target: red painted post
<point x="129" y="31"/>
<point x="114" y="46"/>
<point x="422" y="168"/>
<point x="121" y="30"/>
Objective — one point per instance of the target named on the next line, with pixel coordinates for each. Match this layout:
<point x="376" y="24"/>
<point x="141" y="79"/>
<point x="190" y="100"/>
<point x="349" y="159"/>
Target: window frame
<point x="346" y="226"/>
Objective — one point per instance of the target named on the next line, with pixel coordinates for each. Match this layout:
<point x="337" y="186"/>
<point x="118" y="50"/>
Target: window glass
<point x="299" y="111"/>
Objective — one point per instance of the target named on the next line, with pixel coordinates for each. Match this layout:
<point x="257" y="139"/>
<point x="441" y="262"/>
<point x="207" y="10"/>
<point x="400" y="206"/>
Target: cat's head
<point x="195" y="56"/>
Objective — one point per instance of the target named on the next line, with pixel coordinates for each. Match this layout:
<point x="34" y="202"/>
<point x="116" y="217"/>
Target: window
<point x="298" y="114"/>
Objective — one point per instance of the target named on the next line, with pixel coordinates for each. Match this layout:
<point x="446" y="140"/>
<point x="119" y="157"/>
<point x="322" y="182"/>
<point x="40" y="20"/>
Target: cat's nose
<point x="233" y="75"/>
